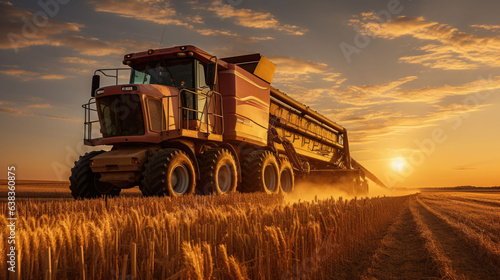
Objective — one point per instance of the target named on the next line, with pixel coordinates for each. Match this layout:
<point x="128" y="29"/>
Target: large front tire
<point x="219" y="174"/>
<point x="168" y="172"/>
<point x="83" y="180"/>
<point x="260" y="172"/>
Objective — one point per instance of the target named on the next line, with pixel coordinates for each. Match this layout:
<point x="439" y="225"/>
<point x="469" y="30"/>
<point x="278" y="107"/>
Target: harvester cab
<point x="164" y="93"/>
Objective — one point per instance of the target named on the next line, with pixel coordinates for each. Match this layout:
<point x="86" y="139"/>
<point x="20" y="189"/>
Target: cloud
<point x="392" y="92"/>
<point x="92" y="46"/>
<point x="371" y="123"/>
<point x="79" y="60"/>
<point x="19" y="73"/>
<point x="39" y="106"/>
<point x="292" y="72"/>
<point x="162" y="12"/>
<point x="54" y="77"/>
<point x="19" y="31"/>
<point x="253" y="19"/>
<point x="14" y="109"/>
<point x="26" y="75"/>
<point x="346" y="95"/>
<point x="487" y="27"/>
<point x="61" y="118"/>
<point x="372" y="112"/>
<point x="445" y="47"/>
<point x="372" y="94"/>
<point x="435" y="94"/>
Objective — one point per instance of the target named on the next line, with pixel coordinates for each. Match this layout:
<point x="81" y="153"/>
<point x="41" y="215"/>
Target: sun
<point x="398" y="164"/>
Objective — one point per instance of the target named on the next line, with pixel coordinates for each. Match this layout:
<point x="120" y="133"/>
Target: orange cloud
<point x="79" y="60"/>
<point x="374" y="111"/>
<point x="371" y="123"/>
<point x="448" y="47"/>
<point x="40" y="106"/>
<point x="15" y="35"/>
<point x="27" y="111"/>
<point x="486" y="27"/>
<point x="290" y="70"/>
<point x="14" y="111"/>
<point x="162" y="12"/>
<point x="253" y="19"/>
<point x="437" y="93"/>
<point x="19" y="73"/>
<point x="372" y="94"/>
<point x="30" y="75"/>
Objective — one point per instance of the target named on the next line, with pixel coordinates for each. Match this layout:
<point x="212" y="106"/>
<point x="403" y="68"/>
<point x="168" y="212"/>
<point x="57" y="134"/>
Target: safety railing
<point x="210" y="117"/>
<point x="212" y="110"/>
<point x="87" y="125"/>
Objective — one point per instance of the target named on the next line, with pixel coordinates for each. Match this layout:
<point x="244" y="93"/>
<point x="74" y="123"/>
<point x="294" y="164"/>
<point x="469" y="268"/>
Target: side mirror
<point x="211" y="75"/>
<point x="96" y="83"/>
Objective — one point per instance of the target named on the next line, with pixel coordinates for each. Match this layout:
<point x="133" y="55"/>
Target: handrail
<point x="212" y="98"/>
<point x="87" y="125"/>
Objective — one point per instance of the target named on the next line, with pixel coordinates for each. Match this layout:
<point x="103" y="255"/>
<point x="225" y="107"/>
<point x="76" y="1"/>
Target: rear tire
<point x="168" y="172"/>
<point x="287" y="177"/>
<point x="260" y="172"/>
<point x="219" y="174"/>
<point x="83" y="180"/>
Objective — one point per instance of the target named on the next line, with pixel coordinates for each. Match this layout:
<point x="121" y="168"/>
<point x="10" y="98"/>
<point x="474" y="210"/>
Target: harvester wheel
<point x="218" y="172"/>
<point x="260" y="172"/>
<point x="83" y="180"/>
<point x="168" y="172"/>
<point x="364" y="187"/>
<point x="361" y="187"/>
<point x="287" y="177"/>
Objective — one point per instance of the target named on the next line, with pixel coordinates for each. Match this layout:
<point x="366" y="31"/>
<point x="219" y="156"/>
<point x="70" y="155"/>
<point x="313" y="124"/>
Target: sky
<point x="415" y="83"/>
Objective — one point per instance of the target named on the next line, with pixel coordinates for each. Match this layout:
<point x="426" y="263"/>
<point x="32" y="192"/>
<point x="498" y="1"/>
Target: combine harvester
<point x="189" y="122"/>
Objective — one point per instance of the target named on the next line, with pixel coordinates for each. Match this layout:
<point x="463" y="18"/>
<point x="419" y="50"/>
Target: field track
<point x="438" y="236"/>
<point x="253" y="236"/>
<point x="402" y="254"/>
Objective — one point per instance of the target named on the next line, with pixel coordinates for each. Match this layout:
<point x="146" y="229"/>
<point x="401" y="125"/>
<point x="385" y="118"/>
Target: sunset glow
<point x="415" y="83"/>
<point x="398" y="164"/>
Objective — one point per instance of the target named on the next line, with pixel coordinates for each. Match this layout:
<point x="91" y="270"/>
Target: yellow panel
<point x="265" y="70"/>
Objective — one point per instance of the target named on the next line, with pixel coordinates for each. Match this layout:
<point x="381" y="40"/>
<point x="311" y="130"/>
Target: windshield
<point x="121" y="115"/>
<point x="174" y="73"/>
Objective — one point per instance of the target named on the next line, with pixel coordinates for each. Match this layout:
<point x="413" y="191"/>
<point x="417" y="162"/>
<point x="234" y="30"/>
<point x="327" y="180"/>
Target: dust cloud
<point x="309" y="191"/>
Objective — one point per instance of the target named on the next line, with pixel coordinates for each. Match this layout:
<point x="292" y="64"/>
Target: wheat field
<point x="258" y="236"/>
<point x="236" y="236"/>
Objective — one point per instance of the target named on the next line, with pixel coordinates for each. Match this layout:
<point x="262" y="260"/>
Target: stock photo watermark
<point x="62" y="170"/>
<point x="312" y="263"/>
<point x="31" y="26"/>
<point x="426" y="147"/>
<point x="362" y="39"/>
<point x="11" y="219"/>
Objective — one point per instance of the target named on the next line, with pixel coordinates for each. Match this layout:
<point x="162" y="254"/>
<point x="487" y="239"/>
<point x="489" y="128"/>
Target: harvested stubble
<point x="236" y="236"/>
